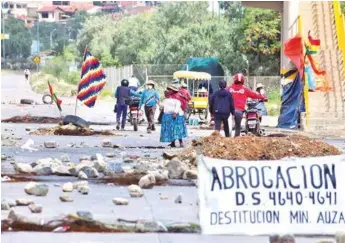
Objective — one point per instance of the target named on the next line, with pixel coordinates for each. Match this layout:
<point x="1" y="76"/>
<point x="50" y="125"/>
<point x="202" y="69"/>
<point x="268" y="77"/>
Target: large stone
<point x="35" y="208"/>
<point x="50" y="144"/>
<point x="78" y="184"/>
<point x="107" y="143"/>
<point x="42" y="170"/>
<point x="67" y="187"/>
<point x="47" y="162"/>
<point x="100" y="165"/>
<point x="176" y="169"/>
<point x="23" y="168"/>
<point x="82" y="175"/>
<point x="72" y="170"/>
<point x="5" y="205"/>
<point x="83" y="190"/>
<point x="66" y="198"/>
<point x="190" y="175"/>
<point x="120" y="201"/>
<point x="36" y="189"/>
<point x="178" y="199"/>
<point x="147" y="181"/>
<point x="11" y="202"/>
<point x="150" y="226"/>
<point x="169" y="155"/>
<point x="23" y="202"/>
<point x="85" y="215"/>
<point x="3" y="157"/>
<point x="62" y="171"/>
<point x="160" y="175"/>
<point x="90" y="171"/>
<point x="65" y="158"/>
<point x="135" y="191"/>
<point x="13" y="216"/>
<point x="340" y="237"/>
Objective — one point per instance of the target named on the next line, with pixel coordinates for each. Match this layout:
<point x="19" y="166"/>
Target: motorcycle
<point x="253" y="119"/>
<point x="135" y="116"/>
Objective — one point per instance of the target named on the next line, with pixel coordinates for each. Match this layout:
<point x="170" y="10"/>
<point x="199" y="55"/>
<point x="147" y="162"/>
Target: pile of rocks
<point x="182" y="165"/>
<point x="70" y="130"/>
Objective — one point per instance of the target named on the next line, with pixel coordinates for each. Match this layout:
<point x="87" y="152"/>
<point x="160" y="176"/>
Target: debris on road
<point x="37" y="189"/>
<point x="50" y="144"/>
<point x="120" y="201"/>
<point x="135" y="191"/>
<point x="67" y="187"/>
<point x="28" y="145"/>
<point x="23" y="168"/>
<point x="35" y="208"/>
<point x="261" y="148"/>
<point x="71" y="130"/>
<point x="33" y="119"/>
<point x="66" y="198"/>
<point x="147" y="181"/>
<point x="179" y="199"/>
<point x="85" y="215"/>
<point x="83" y="190"/>
<point x="23" y="202"/>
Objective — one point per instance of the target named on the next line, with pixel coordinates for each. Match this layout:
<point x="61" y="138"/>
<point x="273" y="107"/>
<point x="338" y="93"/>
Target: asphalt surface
<point x="99" y="200"/>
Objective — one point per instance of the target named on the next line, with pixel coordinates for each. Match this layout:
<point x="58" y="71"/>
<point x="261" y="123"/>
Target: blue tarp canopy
<point x="292" y="104"/>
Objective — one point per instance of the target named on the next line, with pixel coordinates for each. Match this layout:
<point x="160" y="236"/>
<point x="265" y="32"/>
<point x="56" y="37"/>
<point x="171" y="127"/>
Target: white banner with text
<point x="301" y="196"/>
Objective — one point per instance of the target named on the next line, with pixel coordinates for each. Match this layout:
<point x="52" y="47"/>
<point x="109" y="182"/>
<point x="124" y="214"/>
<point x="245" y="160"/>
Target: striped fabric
<point x="92" y="80"/>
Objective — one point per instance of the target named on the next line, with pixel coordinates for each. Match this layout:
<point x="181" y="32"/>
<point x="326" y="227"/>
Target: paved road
<point x="27" y="237"/>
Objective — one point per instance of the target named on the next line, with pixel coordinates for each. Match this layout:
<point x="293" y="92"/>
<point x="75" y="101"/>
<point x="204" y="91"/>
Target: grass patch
<point x="274" y="102"/>
<point x="106" y="93"/>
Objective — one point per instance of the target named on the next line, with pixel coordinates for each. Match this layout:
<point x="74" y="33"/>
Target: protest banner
<point x="300" y="196"/>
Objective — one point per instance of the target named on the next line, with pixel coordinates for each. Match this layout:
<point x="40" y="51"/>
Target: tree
<point x="342" y="5"/>
<point x="19" y="44"/>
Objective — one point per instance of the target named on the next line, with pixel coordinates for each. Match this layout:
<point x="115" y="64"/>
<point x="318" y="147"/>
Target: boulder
<point x="78" y="184"/>
<point x="83" y="190"/>
<point x="100" y="165"/>
<point x="65" y="158"/>
<point x="62" y="171"/>
<point x="35" y="208"/>
<point x="23" y="168"/>
<point x="190" y="175"/>
<point x="176" y="169"/>
<point x="66" y="198"/>
<point x="85" y="215"/>
<point x="120" y="201"/>
<point x="67" y="187"/>
<point x="42" y="170"/>
<point x="107" y="143"/>
<point x="37" y="189"/>
<point x="135" y="191"/>
<point x="150" y="226"/>
<point x="82" y="175"/>
<point x="23" y="202"/>
<point x="160" y="175"/>
<point x="5" y="205"/>
<point x="179" y="199"/>
<point x="11" y="202"/>
<point x="90" y="171"/>
<point x="50" y="144"/>
<point x="147" y="181"/>
<point x="169" y="155"/>
<point x="47" y="162"/>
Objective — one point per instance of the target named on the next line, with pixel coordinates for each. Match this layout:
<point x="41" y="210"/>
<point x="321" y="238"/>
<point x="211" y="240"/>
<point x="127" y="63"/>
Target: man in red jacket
<point x="240" y="93"/>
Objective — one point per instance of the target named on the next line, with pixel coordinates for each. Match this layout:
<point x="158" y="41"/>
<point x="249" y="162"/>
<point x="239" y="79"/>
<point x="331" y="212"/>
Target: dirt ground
<point x="71" y="130"/>
<point x="33" y="119"/>
<point x="273" y="147"/>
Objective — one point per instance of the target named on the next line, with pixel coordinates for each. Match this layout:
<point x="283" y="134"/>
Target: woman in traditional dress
<point x="173" y="121"/>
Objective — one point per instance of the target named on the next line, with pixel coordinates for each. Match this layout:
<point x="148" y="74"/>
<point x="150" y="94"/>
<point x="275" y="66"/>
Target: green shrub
<point x="106" y="93"/>
<point x="274" y="102"/>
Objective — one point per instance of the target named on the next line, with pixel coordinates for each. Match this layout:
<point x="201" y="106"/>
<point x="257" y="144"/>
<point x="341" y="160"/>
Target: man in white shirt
<point x="134" y="83"/>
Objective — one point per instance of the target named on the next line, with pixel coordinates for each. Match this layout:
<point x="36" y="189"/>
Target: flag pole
<point x="76" y="98"/>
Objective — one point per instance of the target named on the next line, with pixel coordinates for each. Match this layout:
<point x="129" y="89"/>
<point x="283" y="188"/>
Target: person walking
<point x="221" y="106"/>
<point x="173" y="121"/>
<point x="240" y="93"/>
<point x="27" y="74"/>
<point x="122" y="93"/>
<point x="150" y="99"/>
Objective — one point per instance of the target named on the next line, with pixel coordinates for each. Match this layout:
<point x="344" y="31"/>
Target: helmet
<point x="150" y="82"/>
<point x="239" y="78"/>
<point x="124" y="82"/>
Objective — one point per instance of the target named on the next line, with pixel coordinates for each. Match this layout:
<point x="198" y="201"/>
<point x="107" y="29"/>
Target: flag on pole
<point x="293" y="49"/>
<point x="92" y="80"/>
<point x="312" y="45"/>
<point x="54" y="97"/>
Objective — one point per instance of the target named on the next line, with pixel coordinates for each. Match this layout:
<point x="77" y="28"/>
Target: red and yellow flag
<point x="54" y="97"/>
<point x="312" y="45"/>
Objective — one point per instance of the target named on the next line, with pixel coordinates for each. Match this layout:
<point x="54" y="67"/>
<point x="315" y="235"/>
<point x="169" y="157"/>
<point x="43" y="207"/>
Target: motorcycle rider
<point x="221" y="106"/>
<point x="261" y="105"/>
<point x="240" y="93"/>
<point x="121" y="94"/>
<point x="150" y="99"/>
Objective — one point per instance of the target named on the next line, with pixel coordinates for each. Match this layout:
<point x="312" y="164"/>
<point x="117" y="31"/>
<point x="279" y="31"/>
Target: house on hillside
<point x="14" y="8"/>
<point x="55" y="13"/>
